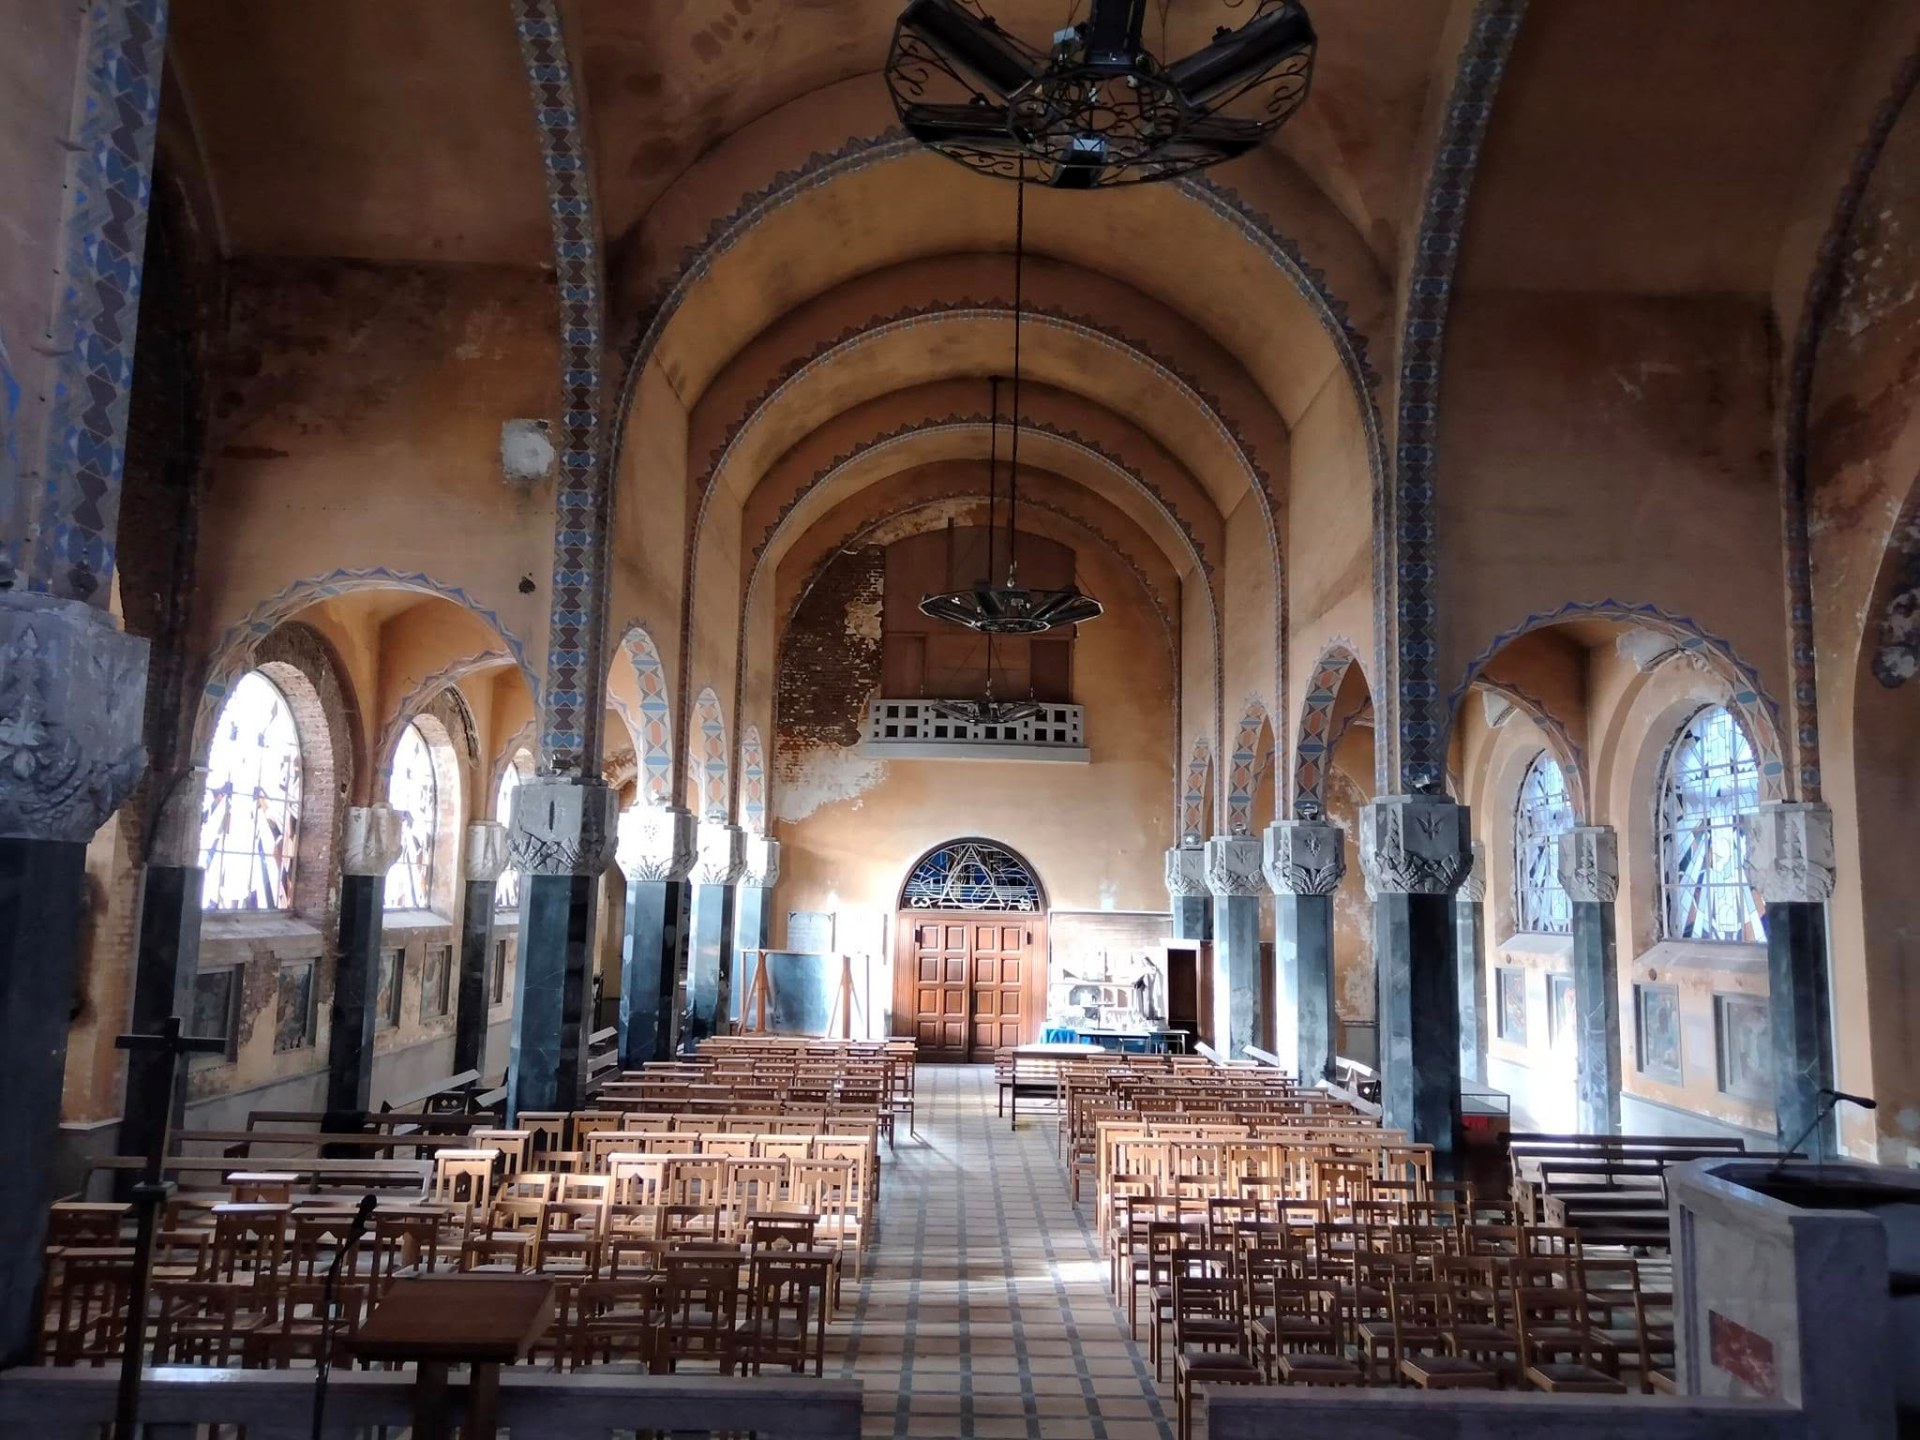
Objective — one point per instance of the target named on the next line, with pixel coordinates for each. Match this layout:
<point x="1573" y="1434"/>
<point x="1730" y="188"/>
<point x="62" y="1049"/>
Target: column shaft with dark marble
<point x="1470" y="959"/>
<point x="1790" y="861"/>
<point x="1415" y="850"/>
<point x="1304" y="861"/>
<point x="485" y="860"/>
<point x="1236" y="881"/>
<point x="1590" y="874"/>
<point x="720" y="861"/>
<point x="562" y="842"/>
<point x="1187" y="891"/>
<point x="371" y="845"/>
<point x="753" y="911"/>
<point x="655" y="852"/>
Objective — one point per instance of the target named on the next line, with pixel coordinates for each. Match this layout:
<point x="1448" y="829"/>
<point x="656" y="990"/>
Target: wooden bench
<point x="448" y="1096"/>
<point x="319" y="1174"/>
<point x="1610" y="1188"/>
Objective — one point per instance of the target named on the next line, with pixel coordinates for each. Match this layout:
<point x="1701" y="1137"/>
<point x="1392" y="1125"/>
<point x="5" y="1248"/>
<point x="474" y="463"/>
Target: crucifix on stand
<point x="149" y="1195"/>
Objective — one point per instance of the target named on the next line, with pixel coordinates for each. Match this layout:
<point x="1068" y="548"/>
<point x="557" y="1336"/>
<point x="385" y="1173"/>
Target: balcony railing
<point x="924" y="730"/>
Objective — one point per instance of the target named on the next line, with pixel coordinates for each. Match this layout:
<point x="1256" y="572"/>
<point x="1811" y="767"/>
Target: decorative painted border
<point x="1757" y="710"/>
<point x="571" y="708"/>
<point x="1314" y="749"/>
<point x="753" y="782"/>
<point x="1817" y="311"/>
<point x="110" y="188"/>
<point x="706" y="713"/>
<point x="1569" y="755"/>
<point x="1244" y="768"/>
<point x="416" y="700"/>
<point x="1415" y="750"/>
<point x="652" y="728"/>
<point x="1195" y="820"/>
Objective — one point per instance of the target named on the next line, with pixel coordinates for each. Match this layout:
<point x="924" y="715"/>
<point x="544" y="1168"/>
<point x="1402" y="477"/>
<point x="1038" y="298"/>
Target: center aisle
<point x="984" y="1307"/>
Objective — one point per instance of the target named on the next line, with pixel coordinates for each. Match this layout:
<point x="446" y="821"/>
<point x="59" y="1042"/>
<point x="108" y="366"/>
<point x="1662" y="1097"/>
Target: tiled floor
<point x="983" y="1309"/>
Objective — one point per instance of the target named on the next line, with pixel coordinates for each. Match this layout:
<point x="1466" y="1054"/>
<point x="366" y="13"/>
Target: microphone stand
<point x="362" y="1218"/>
<point x="1828" y="1105"/>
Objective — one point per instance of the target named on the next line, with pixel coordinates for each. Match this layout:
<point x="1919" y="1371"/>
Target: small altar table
<point x="437" y="1321"/>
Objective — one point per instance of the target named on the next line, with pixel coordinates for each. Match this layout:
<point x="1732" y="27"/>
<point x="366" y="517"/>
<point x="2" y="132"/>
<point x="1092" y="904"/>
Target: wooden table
<point x="436" y="1321"/>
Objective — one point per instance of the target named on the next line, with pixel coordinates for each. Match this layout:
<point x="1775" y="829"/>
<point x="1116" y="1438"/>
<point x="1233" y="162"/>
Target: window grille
<point x="907" y="722"/>
<point x="971" y="875"/>
<point x="1543" y="815"/>
<point x="250" y="811"/>
<point x="1710" y="780"/>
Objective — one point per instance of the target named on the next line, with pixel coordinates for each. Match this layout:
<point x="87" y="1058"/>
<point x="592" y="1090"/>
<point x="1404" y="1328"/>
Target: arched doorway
<point x="970" y="971"/>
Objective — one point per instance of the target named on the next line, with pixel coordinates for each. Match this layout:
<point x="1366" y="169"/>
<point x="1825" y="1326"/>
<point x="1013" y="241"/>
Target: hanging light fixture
<point x="1097" y="109"/>
<point x="1010" y="608"/>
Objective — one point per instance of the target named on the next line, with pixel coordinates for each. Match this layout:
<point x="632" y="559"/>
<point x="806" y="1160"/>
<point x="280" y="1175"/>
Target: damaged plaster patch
<point x="822" y="777"/>
<point x="863" y="617"/>
<point x="1897" y="658"/>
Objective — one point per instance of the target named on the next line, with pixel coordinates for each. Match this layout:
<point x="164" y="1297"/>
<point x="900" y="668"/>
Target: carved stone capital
<point x="1304" y="857"/>
<point x="73" y="693"/>
<point x="1473" y="889"/>
<point x="1414" y="845"/>
<point x="1187" y="871"/>
<point x="762" y="870"/>
<point x="656" y="842"/>
<point x="487" y="854"/>
<point x="1790" y="853"/>
<point x="175" y="837"/>
<point x="371" y="842"/>
<point x="1233" y="866"/>
<point x="720" y="854"/>
<point x="563" y="825"/>
<point x="1590" y="864"/>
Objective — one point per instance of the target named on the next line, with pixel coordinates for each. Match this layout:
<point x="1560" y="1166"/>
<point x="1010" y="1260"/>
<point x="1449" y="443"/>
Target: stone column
<point x="1187" y="889"/>
<point x="562" y="841"/>
<point x="1790" y="862"/>
<point x="1415" y="850"/>
<point x="718" y="864"/>
<point x="485" y="859"/>
<point x="1590" y="874"/>
<point x="370" y="846"/>
<point x="168" y="957"/>
<point x="1470" y="952"/>
<point x="655" y="852"/>
<point x="753" y="911"/>
<point x="1234" y="877"/>
<point x="72" y="697"/>
<point x="1304" y="861"/>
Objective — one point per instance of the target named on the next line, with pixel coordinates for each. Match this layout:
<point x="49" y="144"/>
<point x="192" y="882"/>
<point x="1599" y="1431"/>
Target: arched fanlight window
<point x="415" y="793"/>
<point x="506" y="891"/>
<point x="972" y="875"/>
<point x="1709" y="781"/>
<point x="250" y="813"/>
<point x="1544" y="814"/>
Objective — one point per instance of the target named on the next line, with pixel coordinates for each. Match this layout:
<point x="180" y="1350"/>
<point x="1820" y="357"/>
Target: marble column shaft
<point x="1416" y="852"/>
<point x="655" y="852"/>
<point x="562" y="840"/>
<point x="720" y="863"/>
<point x="1187" y="891"/>
<point x="1237" y="882"/>
<point x="1590" y="874"/>
<point x="1470" y="960"/>
<point x="753" y="912"/>
<point x="372" y="844"/>
<point x="485" y="860"/>
<point x="1304" y="861"/>
<point x="1790" y="861"/>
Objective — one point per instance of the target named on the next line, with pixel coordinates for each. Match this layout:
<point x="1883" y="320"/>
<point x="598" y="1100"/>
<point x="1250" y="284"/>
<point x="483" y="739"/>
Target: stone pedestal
<point x="1187" y="892"/>
<point x="1790" y="862"/>
<point x="1235" y="879"/>
<point x="719" y="863"/>
<point x="1470" y="960"/>
<point x="1304" y="861"/>
<point x="371" y="845"/>
<point x="655" y="852"/>
<point x="486" y="859"/>
<point x="562" y="841"/>
<point x="1590" y="874"/>
<point x="753" y="910"/>
<point x="1416" y="851"/>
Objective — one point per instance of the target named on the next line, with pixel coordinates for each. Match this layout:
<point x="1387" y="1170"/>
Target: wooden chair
<point x="1308" y="1341"/>
<point x="701" y="1310"/>
<point x="617" y="1319"/>
<point x="574" y="1225"/>
<point x="1425" y="1344"/>
<point x="1557" y="1353"/>
<point x="1209" y="1342"/>
<point x="783" y="1231"/>
<point x="292" y="1330"/>
<point x="204" y="1322"/>
<point x="515" y="1147"/>
<point x="786" y="1320"/>
<point x="1483" y="1329"/>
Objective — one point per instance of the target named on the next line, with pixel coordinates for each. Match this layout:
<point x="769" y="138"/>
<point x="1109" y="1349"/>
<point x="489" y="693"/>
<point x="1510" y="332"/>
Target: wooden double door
<point x="967" y="984"/>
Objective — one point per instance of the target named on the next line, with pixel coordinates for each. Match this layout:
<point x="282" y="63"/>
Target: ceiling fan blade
<point x="970" y="43"/>
<point x="981" y="126"/>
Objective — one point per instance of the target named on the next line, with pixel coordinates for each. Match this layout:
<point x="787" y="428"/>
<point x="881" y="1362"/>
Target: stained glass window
<point x="971" y="875"/>
<point x="506" y="890"/>
<point x="1711" y="779"/>
<point x="1544" y="814"/>
<point x="250" y="813"/>
<point x="415" y="793"/>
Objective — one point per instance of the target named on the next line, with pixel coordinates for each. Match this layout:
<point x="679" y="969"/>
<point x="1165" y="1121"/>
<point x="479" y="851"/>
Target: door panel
<point x="977" y="985"/>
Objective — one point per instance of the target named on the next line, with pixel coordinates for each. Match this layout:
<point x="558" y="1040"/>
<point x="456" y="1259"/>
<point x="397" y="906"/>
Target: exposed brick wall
<point x="830" y="659"/>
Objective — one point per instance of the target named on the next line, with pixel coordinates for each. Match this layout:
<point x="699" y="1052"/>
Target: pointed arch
<point x="709" y="780"/>
<point x="651" y="723"/>
<point x="753" y="782"/>
<point x="1314" y="748"/>
<point x="1252" y="753"/>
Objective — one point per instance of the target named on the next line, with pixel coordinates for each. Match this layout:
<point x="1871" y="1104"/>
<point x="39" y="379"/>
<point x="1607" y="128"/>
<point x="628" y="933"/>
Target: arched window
<point x="1709" y="781"/>
<point x="971" y="875"/>
<point x="506" y="891"/>
<point x="1544" y="814"/>
<point x="415" y="793"/>
<point x="250" y="813"/>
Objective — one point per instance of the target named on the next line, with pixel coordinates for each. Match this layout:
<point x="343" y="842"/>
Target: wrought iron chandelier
<point x="1098" y="108"/>
<point x="1010" y="608"/>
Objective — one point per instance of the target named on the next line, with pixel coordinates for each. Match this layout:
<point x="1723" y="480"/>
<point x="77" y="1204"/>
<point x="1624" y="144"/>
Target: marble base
<point x="43" y="899"/>
<point x="1596" y="1002"/>
<point x="649" y="966"/>
<point x="476" y="956"/>
<point x="168" y="959"/>
<point x="1303" y="966"/>
<point x="1802" y="1022"/>
<point x="547" y="1068"/>
<point x="1239" y="1007"/>
<point x="1193" y="917"/>
<point x="1470" y="956"/>
<point x="709" y="964"/>
<point x="356" y="984"/>
<point x="1419" y="1020"/>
